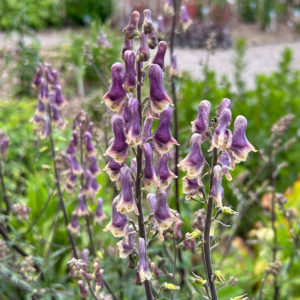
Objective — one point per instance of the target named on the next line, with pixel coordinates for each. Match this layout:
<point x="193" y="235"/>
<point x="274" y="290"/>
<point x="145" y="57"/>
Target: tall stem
<point x="206" y="246"/>
<point x="4" y="192"/>
<point x="57" y="183"/>
<point x="138" y="187"/>
<point x="174" y="264"/>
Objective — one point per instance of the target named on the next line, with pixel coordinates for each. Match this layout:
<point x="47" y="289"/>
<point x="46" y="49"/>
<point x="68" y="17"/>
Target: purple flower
<point x="133" y="167"/>
<point x="83" y="289"/>
<point x="194" y="163"/>
<point x="40" y="109"/>
<point x="164" y="174"/>
<point x="152" y="39"/>
<point x="118" y="149"/>
<point x="151" y="199"/>
<point x="127" y="246"/>
<point x="48" y="73"/>
<point x="217" y="190"/>
<point x="94" y="165"/>
<point x="87" y="183"/>
<point x="143" y="51"/>
<point x="128" y="45"/>
<point x="94" y="186"/>
<point x="159" y="98"/>
<point x="59" y="99"/>
<point x="162" y="138"/>
<point x="222" y="136"/>
<point x="73" y="162"/>
<point x="102" y="40"/>
<point x="240" y="146"/>
<point x="174" y="68"/>
<point x="129" y="82"/>
<point x="142" y="266"/>
<point x="4" y="142"/>
<point x="131" y="30"/>
<point x="226" y="103"/>
<point x="126" y="202"/>
<point x="115" y="96"/>
<point x="168" y="8"/>
<point x="189" y="243"/>
<point x="90" y="149"/>
<point x="201" y="124"/>
<point x="43" y="91"/>
<point x="177" y="227"/>
<point x="162" y="216"/>
<point x="98" y="274"/>
<point x="118" y="223"/>
<point x="134" y="127"/>
<point x="74" y="225"/>
<point x="159" y="57"/>
<point x="56" y="116"/>
<point x="38" y="75"/>
<point x="99" y="214"/>
<point x="147" y="24"/>
<point x="147" y="133"/>
<point x="150" y="178"/>
<point x="113" y="169"/>
<point x="126" y="113"/>
<point x="157" y="272"/>
<point x="72" y="144"/>
<point x="160" y="27"/>
<point x="192" y="187"/>
<point x="81" y="209"/>
<point x="185" y="18"/>
<point x="224" y="160"/>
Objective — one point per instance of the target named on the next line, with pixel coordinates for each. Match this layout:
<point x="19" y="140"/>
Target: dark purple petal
<point x="73" y="162"/>
<point x="150" y="178"/>
<point x="226" y="103"/>
<point x="94" y="164"/>
<point x="142" y="266"/>
<point x="74" y="225"/>
<point x="164" y="174"/>
<point x="90" y="149"/>
<point x="113" y="169"/>
<point x="81" y="209"/>
<point x="131" y="29"/>
<point x="143" y="51"/>
<point x="152" y="39"/>
<point x="159" y="57"/>
<point x="38" y="75"/>
<point x="192" y="188"/>
<point x="129" y="83"/>
<point x="151" y="199"/>
<point x="201" y="124"/>
<point x="127" y="246"/>
<point x="128" y="45"/>
<point x="99" y="214"/>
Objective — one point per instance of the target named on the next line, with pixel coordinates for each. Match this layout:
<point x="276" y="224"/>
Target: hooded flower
<point x="194" y="163"/>
<point x="152" y="39"/>
<point x="185" y="18"/>
<point x="174" y="68"/>
<point x="159" y="57"/>
<point x="151" y="199"/>
<point x="38" y="75"/>
<point x="98" y="275"/>
<point x="72" y="144"/>
<point x="94" y="186"/>
<point x="217" y="190"/>
<point x="118" y="223"/>
<point x="59" y="99"/>
<point x="94" y="165"/>
<point x="83" y="289"/>
<point x="142" y="266"/>
<point x="134" y="127"/>
<point x="74" y="225"/>
<point x="162" y="216"/>
<point x="162" y="138"/>
<point x="147" y="24"/>
<point x="128" y="45"/>
<point x="75" y="166"/>
<point x="129" y="82"/>
<point x="201" y="124"/>
<point x="56" y="116"/>
<point x="131" y="30"/>
<point x="118" y="149"/>
<point x="113" y="169"/>
<point x="99" y="214"/>
<point x="143" y="51"/>
<point x="160" y="26"/>
<point x="150" y="178"/>
<point x="164" y="174"/>
<point x="133" y="167"/>
<point x="81" y="209"/>
<point x="224" y="160"/>
<point x="222" y="136"/>
<point x="168" y="8"/>
<point x="87" y="190"/>
<point x="226" y="103"/>
<point x="90" y="149"/>
<point x="147" y="133"/>
<point x="192" y="187"/>
<point x="43" y="91"/>
<point x="240" y="146"/>
<point x="126" y="202"/>
<point x="159" y="98"/>
<point x="126" y="246"/>
<point x="115" y="96"/>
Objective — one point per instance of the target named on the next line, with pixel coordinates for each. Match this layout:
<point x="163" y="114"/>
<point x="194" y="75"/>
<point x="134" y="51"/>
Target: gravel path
<point x="260" y="59"/>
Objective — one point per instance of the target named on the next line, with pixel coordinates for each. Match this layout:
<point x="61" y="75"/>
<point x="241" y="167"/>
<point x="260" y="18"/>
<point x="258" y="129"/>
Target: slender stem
<point x="109" y="289"/>
<point x="91" y="290"/>
<point x="138" y="187"/>
<point x="4" y="192"/>
<point x="174" y="265"/>
<point x="206" y="246"/>
<point x="58" y="187"/>
<point x="262" y="286"/>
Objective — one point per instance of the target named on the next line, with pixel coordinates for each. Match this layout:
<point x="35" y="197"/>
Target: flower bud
<point x="129" y="82"/>
<point x="99" y="214"/>
<point x="198" y="279"/>
<point x="115" y="96"/>
<point x="81" y="209"/>
<point x="228" y="210"/>
<point x="94" y="165"/>
<point x="147" y="24"/>
<point x="58" y="121"/>
<point x="164" y="174"/>
<point x="226" y="103"/>
<point x="162" y="138"/>
<point x="142" y="266"/>
<point x="143" y="51"/>
<point x="126" y="246"/>
<point x="219" y="276"/>
<point x="83" y="289"/>
<point x="152" y="39"/>
<point x="74" y="225"/>
<point x="171" y="286"/>
<point x="75" y="167"/>
<point x="168" y="8"/>
<point x="150" y="178"/>
<point x="158" y="96"/>
<point x="160" y="27"/>
<point x="194" y="163"/>
<point x="102" y="41"/>
<point x="241" y="297"/>
<point x="134" y="127"/>
<point x="159" y="57"/>
<point x="147" y="132"/>
<point x="59" y="99"/>
<point x="128" y="45"/>
<point x="157" y="272"/>
<point x="199" y="221"/>
<point x="189" y="243"/>
<point x="217" y="190"/>
<point x="131" y="30"/>
<point x="38" y="75"/>
<point x="185" y="18"/>
<point x="201" y="124"/>
<point x="174" y="68"/>
<point x="43" y="91"/>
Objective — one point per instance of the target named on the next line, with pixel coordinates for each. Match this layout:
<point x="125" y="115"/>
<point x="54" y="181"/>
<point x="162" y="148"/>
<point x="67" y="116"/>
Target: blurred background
<point x="245" y="50"/>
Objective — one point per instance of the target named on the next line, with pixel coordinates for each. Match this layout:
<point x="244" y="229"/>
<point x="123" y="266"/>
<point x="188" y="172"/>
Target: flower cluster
<point x="83" y="167"/>
<point x="128" y="133"/>
<point x="50" y="101"/>
<point x="231" y="148"/>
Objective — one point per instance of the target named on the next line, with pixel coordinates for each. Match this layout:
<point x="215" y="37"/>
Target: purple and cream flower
<point x="194" y="162"/>
<point x="159" y="57"/>
<point x="174" y="68"/>
<point x="150" y="178"/>
<point x="38" y="75"/>
<point x="131" y="30"/>
<point x="90" y="149"/>
<point x="74" y="225"/>
<point x="81" y="209"/>
<point x="118" y="223"/>
<point x="222" y="136"/>
<point x="225" y="161"/>
<point x="57" y="119"/>
<point x="163" y="172"/>
<point x="201" y="124"/>
<point x="152" y="39"/>
<point x="126" y="201"/>
<point x="147" y="131"/>
<point x="160" y="26"/>
<point x="168" y="8"/>
<point x="43" y="91"/>
<point x="115" y="96"/>
<point x="59" y="99"/>
<point x="98" y="275"/>
<point x="113" y="169"/>
<point x="94" y="164"/>
<point x="118" y="149"/>
<point x="74" y="164"/>
<point x="128" y="45"/>
<point x="126" y="246"/>
<point x="134" y="136"/>
<point x="129" y="82"/>
<point x="163" y="216"/>
<point x="192" y="188"/>
<point x="240" y="146"/>
<point x="226" y="103"/>
<point x="217" y="191"/>
<point x="185" y="18"/>
<point x="142" y="266"/>
<point x="94" y="186"/>
<point x="147" y="23"/>
<point x="158" y="96"/>
<point x="162" y="138"/>
<point x="87" y="190"/>
<point x="99" y="214"/>
<point x="152" y="200"/>
<point x="143" y="52"/>
<point x="83" y="289"/>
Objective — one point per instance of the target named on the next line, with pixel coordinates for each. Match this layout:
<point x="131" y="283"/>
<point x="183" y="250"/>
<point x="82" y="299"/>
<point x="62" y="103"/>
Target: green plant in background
<point x="248" y="10"/>
<point x="265" y="10"/>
